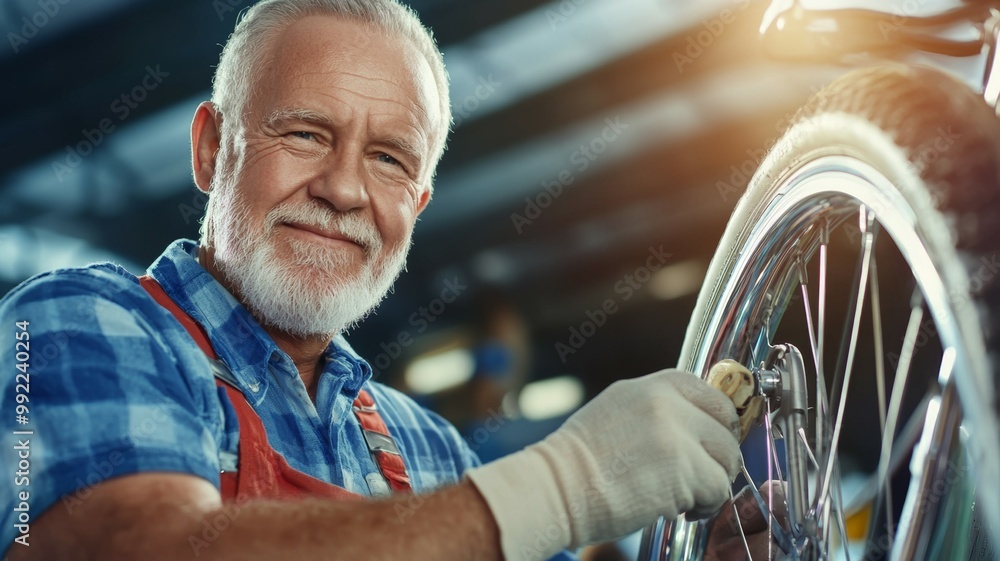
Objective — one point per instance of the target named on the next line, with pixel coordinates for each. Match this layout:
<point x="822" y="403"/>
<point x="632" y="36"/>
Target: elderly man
<point x="212" y="408"/>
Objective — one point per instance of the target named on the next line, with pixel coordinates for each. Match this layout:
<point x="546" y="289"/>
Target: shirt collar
<point x="235" y="334"/>
<point x="341" y="353"/>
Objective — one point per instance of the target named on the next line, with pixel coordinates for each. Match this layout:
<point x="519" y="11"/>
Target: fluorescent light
<point x="436" y="372"/>
<point x="502" y="179"/>
<point x="158" y="142"/>
<point x="29" y="250"/>
<point x="550" y="398"/>
<point x="557" y="42"/>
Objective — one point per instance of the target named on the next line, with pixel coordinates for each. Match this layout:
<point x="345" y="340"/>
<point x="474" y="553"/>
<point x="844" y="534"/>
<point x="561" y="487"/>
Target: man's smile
<point x="315" y="233"/>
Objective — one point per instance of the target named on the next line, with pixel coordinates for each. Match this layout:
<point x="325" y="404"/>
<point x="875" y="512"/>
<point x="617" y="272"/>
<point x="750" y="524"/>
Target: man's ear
<point x="425" y="197"/>
<point x="205" y="139"/>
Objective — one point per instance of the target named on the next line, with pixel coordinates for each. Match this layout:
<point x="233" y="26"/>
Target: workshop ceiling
<point x="589" y="135"/>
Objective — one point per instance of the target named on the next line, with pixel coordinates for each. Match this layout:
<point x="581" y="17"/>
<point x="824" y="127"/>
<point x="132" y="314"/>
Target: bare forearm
<point x="451" y="524"/>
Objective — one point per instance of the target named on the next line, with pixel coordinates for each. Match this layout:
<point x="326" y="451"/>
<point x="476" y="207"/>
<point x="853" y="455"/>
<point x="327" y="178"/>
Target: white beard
<point x="305" y="292"/>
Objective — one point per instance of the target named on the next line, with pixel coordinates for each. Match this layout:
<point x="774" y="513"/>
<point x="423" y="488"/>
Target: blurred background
<point x="599" y="147"/>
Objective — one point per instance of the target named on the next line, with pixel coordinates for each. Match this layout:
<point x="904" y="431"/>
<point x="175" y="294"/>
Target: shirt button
<point x="254" y="387"/>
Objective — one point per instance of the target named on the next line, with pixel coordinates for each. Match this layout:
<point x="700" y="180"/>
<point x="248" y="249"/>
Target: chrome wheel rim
<point x="792" y="228"/>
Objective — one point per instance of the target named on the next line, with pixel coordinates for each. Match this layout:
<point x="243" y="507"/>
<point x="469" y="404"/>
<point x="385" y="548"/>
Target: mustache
<point x="352" y="226"/>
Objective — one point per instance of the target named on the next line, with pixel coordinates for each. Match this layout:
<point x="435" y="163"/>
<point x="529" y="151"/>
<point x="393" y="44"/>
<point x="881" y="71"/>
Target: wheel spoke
<point x="795" y="214"/>
<point x="770" y="477"/>
<point x="805" y="446"/>
<point x="877" y="340"/>
<point x="901" y="447"/>
<point x="776" y="530"/>
<point x="896" y="402"/>
<point x="807" y="305"/>
<point x="739" y="524"/>
<point x="822" y="403"/>
<point x="838" y="507"/>
<point x="859" y="289"/>
<point x="772" y="453"/>
<point x="880" y="375"/>
<point x="826" y="526"/>
<point x="772" y="460"/>
<point x="940" y="420"/>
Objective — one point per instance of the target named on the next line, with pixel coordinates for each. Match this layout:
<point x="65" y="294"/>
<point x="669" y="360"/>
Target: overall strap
<point x="380" y="443"/>
<point x="193" y="328"/>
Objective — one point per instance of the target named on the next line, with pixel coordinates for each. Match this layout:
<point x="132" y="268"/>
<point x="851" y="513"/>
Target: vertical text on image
<point x="22" y="436"/>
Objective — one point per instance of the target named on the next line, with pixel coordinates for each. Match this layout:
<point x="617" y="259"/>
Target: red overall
<point x="263" y="472"/>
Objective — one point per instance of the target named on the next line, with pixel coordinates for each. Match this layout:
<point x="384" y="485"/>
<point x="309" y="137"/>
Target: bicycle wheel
<point x="877" y="215"/>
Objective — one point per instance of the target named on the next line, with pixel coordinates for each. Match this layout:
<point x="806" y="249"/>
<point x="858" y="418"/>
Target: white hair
<point x="245" y="52"/>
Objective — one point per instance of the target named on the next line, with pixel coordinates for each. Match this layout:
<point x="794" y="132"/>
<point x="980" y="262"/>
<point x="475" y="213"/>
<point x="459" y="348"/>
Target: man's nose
<point x="342" y="183"/>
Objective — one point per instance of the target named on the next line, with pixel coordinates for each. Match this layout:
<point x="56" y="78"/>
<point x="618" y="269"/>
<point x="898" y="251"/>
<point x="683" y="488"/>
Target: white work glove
<point x="662" y="444"/>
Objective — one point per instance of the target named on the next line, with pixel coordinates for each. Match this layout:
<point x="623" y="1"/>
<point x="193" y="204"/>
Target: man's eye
<point x="304" y="135"/>
<point x="387" y="159"/>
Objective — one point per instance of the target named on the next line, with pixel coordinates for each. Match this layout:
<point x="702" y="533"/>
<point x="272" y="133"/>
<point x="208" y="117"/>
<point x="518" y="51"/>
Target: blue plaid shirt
<point x="117" y="386"/>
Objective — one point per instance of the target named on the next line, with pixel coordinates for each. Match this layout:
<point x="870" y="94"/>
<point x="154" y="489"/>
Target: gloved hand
<point x="662" y="444"/>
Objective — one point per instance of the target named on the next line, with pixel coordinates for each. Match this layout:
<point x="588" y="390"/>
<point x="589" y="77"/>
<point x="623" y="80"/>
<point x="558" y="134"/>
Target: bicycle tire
<point x="890" y="121"/>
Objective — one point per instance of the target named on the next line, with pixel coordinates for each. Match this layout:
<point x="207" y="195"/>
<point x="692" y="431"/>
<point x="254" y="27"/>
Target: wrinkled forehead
<point x="340" y="61"/>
